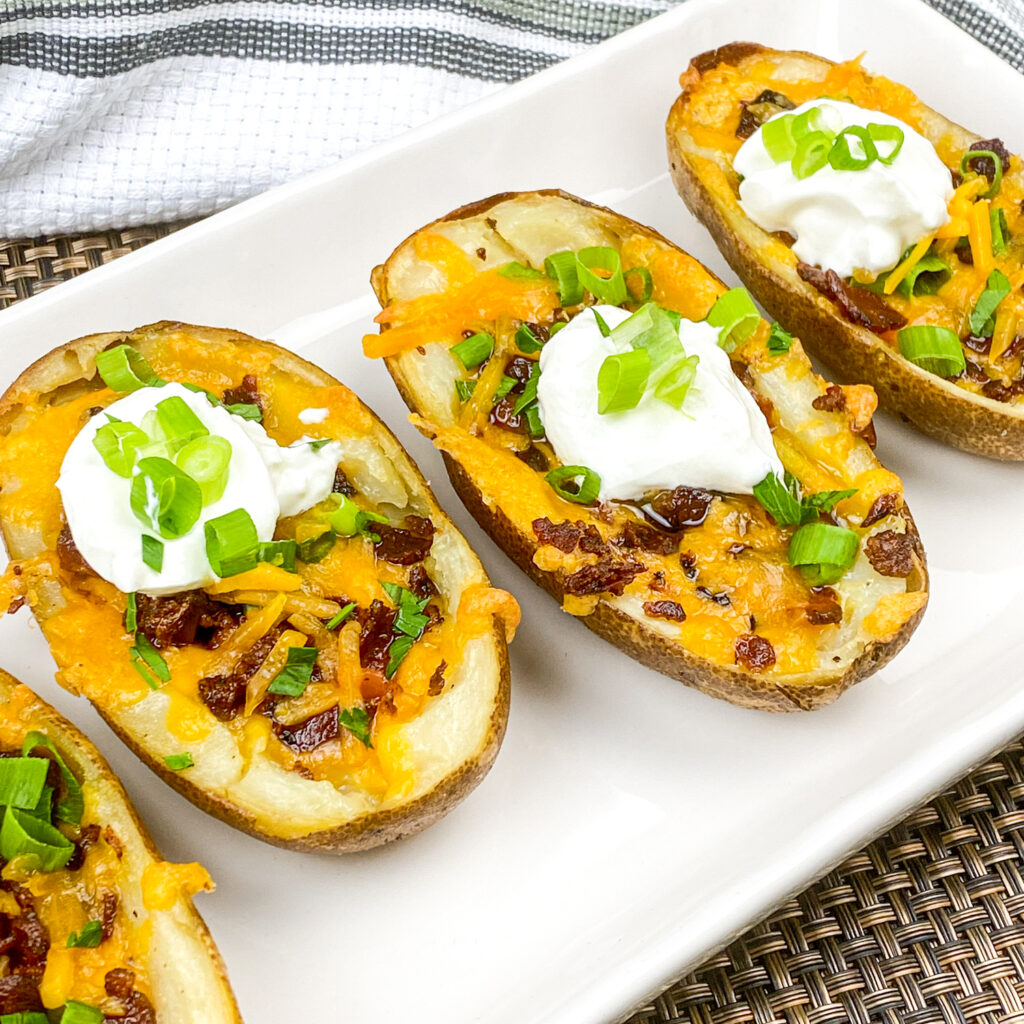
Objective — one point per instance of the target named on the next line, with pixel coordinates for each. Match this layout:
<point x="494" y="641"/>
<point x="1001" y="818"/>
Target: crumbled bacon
<point x="719" y="597"/>
<point x="823" y="607"/>
<point x="224" y="695"/>
<point x="534" y="458"/>
<point x="985" y="165"/>
<point x="420" y="583"/>
<point x="68" y="555"/>
<point x="376" y="635"/>
<point x="342" y="484"/>
<point x="891" y="553"/>
<point x="671" y="610"/>
<point x="177" y="620"/>
<point x="247" y="393"/>
<point x="311" y="733"/>
<point x="682" y="507"/>
<point x="858" y="305"/>
<point x="754" y="652"/>
<point x="647" y="538"/>
<point x="884" y="505"/>
<point x="406" y="544"/>
<point x="503" y="414"/>
<point x="19" y="994"/>
<point x="607" y="576"/>
<point x="568" y="536"/>
<point x="436" y="684"/>
<point x="834" y="400"/>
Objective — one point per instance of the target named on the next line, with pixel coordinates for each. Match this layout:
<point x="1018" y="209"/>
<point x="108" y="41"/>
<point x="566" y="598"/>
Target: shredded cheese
<point x="904" y="268"/>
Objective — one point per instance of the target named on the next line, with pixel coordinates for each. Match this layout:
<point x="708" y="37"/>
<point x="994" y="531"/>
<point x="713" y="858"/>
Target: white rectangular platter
<point x="630" y="825"/>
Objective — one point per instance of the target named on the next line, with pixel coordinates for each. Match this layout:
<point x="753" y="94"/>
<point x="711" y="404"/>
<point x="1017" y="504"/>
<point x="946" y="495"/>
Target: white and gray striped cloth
<point x="125" y="112"/>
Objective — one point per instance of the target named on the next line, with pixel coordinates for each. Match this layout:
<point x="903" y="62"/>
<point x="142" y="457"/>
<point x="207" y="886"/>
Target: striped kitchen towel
<point x="127" y="112"/>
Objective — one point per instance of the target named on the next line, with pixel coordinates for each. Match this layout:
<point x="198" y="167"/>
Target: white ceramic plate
<point x="630" y="825"/>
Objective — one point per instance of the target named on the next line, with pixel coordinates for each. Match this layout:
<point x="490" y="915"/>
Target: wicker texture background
<point x="925" y="926"/>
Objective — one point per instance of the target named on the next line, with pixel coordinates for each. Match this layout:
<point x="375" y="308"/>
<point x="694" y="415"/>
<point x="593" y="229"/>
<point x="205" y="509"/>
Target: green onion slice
<point x="529" y="395"/>
<point x="504" y="387"/>
<point x="563" y="268"/>
<point x="780" y="498"/>
<point x="1000" y="230"/>
<point x="823" y="552"/>
<point x="811" y="154"/>
<point x="925" y="277"/>
<point x="145" y="652"/>
<point x="81" y="1013"/>
<point x="246" y="410"/>
<point x="179" y="762"/>
<point x="777" y="138"/>
<point x="997" y="287"/>
<point x="935" y="349"/>
<point x="293" y="679"/>
<point x="621" y="380"/>
<point x="131" y="613"/>
<point x="464" y="389"/>
<point x="232" y="543"/>
<point x="526" y="340"/>
<point x="152" y="552"/>
<point x="71" y="805"/>
<point x="206" y="460"/>
<point x="735" y="316"/>
<point x="316" y="549"/>
<point x="178" y="419"/>
<point x="889" y="135"/>
<point x="336" y="620"/>
<point x="654" y="329"/>
<point x="587" y="487"/>
<point x="26" y="1017"/>
<point x="22" y="835"/>
<point x="646" y="283"/>
<point x="610" y="289"/>
<point x="89" y="937"/>
<point x="841" y="155"/>
<point x="165" y="498"/>
<point x="348" y="518"/>
<point x="278" y="552"/>
<point x="519" y="271"/>
<point x="997" y="178"/>
<point x="533" y="422"/>
<point x="474" y="349"/>
<point x="357" y="721"/>
<point x="399" y="648"/>
<point x="22" y="780"/>
<point x="556" y="327"/>
<point x="118" y="444"/>
<point x="674" y="385"/>
<point x="123" y="369"/>
<point x="779" y="340"/>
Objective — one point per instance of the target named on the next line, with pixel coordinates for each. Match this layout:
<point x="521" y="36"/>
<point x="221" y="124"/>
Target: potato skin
<point x="89" y="765"/>
<point x="74" y="362"/>
<point x="630" y="635"/>
<point x="933" y="405"/>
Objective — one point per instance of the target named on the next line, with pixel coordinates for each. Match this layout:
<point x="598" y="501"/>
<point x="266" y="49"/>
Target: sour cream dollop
<point x="268" y="480"/>
<point x="848" y="220"/>
<point x="720" y="440"/>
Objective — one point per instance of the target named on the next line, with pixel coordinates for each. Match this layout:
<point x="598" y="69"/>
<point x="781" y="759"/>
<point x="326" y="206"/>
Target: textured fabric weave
<point x="128" y="112"/>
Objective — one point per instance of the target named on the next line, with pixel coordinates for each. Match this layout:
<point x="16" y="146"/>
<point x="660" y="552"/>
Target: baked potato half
<point x="689" y="581"/>
<point x="961" y="280"/>
<point x="97" y="927"/>
<point x="336" y="687"/>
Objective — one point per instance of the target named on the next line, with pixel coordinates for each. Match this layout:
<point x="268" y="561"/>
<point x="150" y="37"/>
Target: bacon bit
<point x="608" y="576"/>
<point x="891" y="553"/>
<point x="405" y="545"/>
<point x="342" y="484"/>
<point x="113" y="841"/>
<point x="682" y="507"/>
<point x="108" y="915"/>
<point x="376" y="635"/>
<point x="68" y="555"/>
<point x="754" y="652"/>
<point x="647" y="538"/>
<point x="311" y="733"/>
<point x="884" y="505"/>
<point x="985" y="165"/>
<point x="564" y="536"/>
<point x="480" y="604"/>
<point x="420" y="583"/>
<point x="246" y="393"/>
<point x="658" y="581"/>
<point x="823" y="607"/>
<point x="503" y="415"/>
<point x="534" y="458"/>
<point x="671" y="610"/>
<point x="833" y="400"/>
<point x="436" y="684"/>
<point x="688" y="560"/>
<point x="857" y="305"/>
<point x="720" y="598"/>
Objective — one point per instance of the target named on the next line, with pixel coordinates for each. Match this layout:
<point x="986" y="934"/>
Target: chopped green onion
<point x="515" y="271"/>
<point x="610" y="289"/>
<point x="563" y="268"/>
<point x="823" y="552"/>
<point x="293" y="679"/>
<point x="824" y="501"/>
<point x="118" y="444"/>
<point x="602" y="324"/>
<point x="621" y="380"/>
<point x="529" y="395"/>
<point x="1000" y="230"/>
<point x="22" y="780"/>
<point x="399" y="648"/>
<point x="247" y="411"/>
<point x="464" y="389"/>
<point x="348" y="518"/>
<point x="123" y="368"/>
<point x="89" y="937"/>
<point x="165" y="498"/>
<point x="25" y="1017"/>
<point x="71" y="806"/>
<point x="22" y="835"/>
<point x="357" y="721"/>
<point x="556" y="327"/>
<point x="504" y="387"/>
<point x="152" y="552"/>
<point x="925" y="277"/>
<point x="178" y="419"/>
<point x="410" y="619"/>
<point x="780" y="498"/>
<point x="131" y="613"/>
<point x="526" y="340"/>
<point x="646" y="283"/>
<point x="811" y="154"/>
<point x="316" y="549"/>
<point x="232" y="543"/>
<point x="651" y="328"/>
<point x="779" y="340"/>
<point x="587" y="489"/>
<point x="841" y="155"/>
<point x="809" y="122"/>
<point x="44" y="808"/>
<point x="146" y="653"/>
<point x="935" y="349"/>
<point x="81" y="1013"/>
<point x="886" y="133"/>
<point x="675" y="385"/>
<point x="777" y="138"/>
<point x="474" y="349"/>
<point x="533" y="423"/>
<point x="336" y="620"/>
<point x="179" y="762"/>
<point x="206" y="460"/>
<point x="997" y="163"/>
<point x="278" y="552"/>
<point x="735" y="316"/>
<point x="997" y="287"/>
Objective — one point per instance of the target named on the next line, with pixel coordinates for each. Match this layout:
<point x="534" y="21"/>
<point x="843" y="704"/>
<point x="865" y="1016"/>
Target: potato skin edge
<point x="738" y="686"/>
<point x="972" y="423"/>
<point x="368" y="830"/>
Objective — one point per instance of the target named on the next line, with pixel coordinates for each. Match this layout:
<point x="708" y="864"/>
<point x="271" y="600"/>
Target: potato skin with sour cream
<point x="269" y="774"/>
<point x="981" y="411"/>
<point x="686" y="612"/>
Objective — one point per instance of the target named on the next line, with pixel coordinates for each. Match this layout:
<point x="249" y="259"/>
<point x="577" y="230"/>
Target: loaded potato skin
<point x="852" y="325"/>
<point x="381" y="732"/>
<point x="676" y="600"/>
<point x="104" y="928"/>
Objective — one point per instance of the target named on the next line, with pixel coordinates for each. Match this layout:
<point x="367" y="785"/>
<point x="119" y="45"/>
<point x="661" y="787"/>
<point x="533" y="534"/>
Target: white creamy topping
<point x="313" y="415"/>
<point x="720" y="440"/>
<point x="848" y="220"/>
<point x="264" y="478"/>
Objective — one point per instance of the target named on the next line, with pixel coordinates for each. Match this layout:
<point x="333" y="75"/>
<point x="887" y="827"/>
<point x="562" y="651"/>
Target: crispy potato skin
<point x="90" y="766"/>
<point x="935" y="406"/>
<point x="75" y="361"/>
<point x="630" y="635"/>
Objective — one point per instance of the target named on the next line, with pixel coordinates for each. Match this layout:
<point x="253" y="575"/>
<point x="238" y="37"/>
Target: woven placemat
<point x="924" y="926"/>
